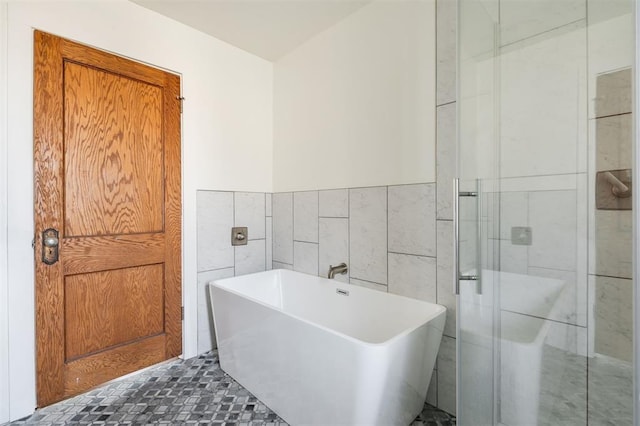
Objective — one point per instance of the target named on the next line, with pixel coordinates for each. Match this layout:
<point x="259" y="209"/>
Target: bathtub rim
<point x="440" y="310"/>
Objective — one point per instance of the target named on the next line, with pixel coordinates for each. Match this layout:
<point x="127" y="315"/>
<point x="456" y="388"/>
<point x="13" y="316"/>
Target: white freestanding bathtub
<point x="321" y="352"/>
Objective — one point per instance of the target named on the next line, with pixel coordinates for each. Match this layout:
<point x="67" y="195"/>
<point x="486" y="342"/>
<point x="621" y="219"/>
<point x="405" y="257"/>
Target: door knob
<point x="50" y="241"/>
<point x="50" y="245"/>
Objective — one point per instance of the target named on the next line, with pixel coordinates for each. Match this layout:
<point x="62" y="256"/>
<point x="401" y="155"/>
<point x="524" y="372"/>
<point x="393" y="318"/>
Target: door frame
<point x="85" y="23"/>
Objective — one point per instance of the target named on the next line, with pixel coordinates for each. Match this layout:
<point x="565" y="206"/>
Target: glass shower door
<point x="544" y="288"/>
<point x="476" y="319"/>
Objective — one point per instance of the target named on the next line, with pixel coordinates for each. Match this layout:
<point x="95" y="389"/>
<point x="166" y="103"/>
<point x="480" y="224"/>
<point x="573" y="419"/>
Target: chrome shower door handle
<point x="456" y="237"/>
<point x="457" y="277"/>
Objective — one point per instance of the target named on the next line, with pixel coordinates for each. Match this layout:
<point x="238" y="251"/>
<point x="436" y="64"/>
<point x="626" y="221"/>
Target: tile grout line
<point x="349" y="234"/>
<point x="266" y="268"/>
<point x="318" y="231"/>
<point x="387" y="223"/>
<point x="233" y="206"/>
<point x="368" y="281"/>
<point x="293" y="230"/>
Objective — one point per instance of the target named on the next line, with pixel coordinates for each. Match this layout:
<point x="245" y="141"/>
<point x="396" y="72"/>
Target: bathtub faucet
<point x="338" y="269"/>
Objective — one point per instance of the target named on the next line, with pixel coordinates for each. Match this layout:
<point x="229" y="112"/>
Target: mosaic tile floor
<point x="194" y="392"/>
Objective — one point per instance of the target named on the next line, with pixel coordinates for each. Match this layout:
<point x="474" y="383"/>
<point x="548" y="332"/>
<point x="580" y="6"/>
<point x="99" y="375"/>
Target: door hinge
<point x="181" y="99"/>
<point x="182" y="313"/>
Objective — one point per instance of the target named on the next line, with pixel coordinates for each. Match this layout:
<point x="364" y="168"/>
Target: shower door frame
<point x="635" y="217"/>
<point x="636" y="222"/>
<point x="463" y="189"/>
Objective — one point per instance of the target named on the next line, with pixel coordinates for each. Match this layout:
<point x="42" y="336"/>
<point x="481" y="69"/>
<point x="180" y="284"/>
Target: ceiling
<point x="267" y="28"/>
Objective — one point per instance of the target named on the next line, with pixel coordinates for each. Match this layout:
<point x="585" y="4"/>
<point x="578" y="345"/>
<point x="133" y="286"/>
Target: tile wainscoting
<point x="217" y="213"/>
<point x="388" y="236"/>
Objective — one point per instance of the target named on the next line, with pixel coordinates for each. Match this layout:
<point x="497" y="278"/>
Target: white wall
<point x="355" y="105"/>
<point x="226" y="132"/>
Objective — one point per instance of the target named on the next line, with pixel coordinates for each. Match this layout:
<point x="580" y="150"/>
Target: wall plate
<point x="605" y="198"/>
<point x="521" y="235"/>
<point x="239" y="236"/>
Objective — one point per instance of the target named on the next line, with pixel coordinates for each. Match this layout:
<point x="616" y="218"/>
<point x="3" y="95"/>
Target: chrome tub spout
<point x="338" y="269"/>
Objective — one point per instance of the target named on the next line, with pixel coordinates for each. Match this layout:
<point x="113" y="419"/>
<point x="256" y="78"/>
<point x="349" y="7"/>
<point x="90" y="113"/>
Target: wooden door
<point x="107" y="178"/>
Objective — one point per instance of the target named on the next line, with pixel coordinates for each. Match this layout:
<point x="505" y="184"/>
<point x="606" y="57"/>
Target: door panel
<point x="83" y="255"/>
<point x="107" y="177"/>
<point x="113" y="186"/>
<point x="110" y="308"/>
<point x="89" y="371"/>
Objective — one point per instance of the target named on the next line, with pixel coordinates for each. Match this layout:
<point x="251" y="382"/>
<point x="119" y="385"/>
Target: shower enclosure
<point x="544" y="276"/>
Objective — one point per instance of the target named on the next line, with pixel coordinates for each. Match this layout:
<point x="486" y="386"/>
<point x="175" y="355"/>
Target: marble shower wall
<point x="555" y="256"/>
<point x="217" y="213"/>
<point x="611" y="272"/>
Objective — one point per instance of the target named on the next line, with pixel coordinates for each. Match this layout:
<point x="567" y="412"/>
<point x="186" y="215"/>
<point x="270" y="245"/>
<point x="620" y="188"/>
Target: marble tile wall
<point x="217" y="213"/>
<point x="611" y="136"/>
<point x="368" y="234"/>
<point x="446" y="160"/>
<point x="612" y="267"/>
<point x="557" y="248"/>
<point x="386" y="234"/>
